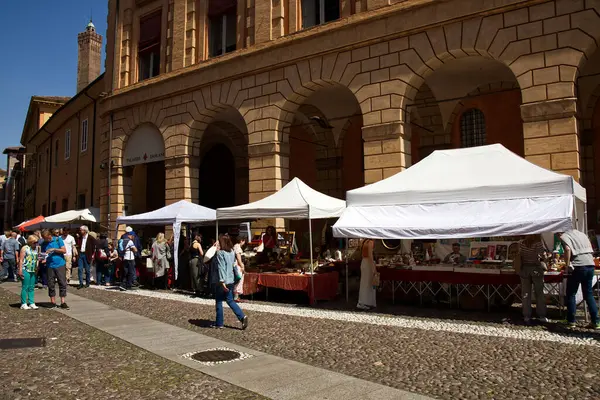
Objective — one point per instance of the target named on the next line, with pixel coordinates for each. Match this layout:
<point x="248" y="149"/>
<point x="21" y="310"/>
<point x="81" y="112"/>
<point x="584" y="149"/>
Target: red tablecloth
<point x="407" y="275"/>
<point x="326" y="284"/>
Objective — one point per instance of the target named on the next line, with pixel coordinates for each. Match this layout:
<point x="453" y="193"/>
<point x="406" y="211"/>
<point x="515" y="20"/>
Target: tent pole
<point x="312" y="266"/>
<point x="346" y="256"/>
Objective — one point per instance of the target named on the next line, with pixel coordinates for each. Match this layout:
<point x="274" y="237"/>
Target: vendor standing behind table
<point x="455" y="257"/>
<point x="532" y="257"/>
<point x="579" y="265"/>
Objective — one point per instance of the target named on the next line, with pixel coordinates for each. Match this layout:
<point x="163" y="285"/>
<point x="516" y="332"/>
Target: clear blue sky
<point x="38" y="43"/>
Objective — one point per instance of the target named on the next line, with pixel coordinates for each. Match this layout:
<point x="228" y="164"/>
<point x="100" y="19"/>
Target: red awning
<point x="23" y="225"/>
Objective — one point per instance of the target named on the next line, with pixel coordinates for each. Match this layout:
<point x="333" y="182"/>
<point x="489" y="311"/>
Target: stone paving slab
<point x="270" y="376"/>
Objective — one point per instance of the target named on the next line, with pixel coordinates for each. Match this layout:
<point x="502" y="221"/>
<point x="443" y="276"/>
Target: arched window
<point x="472" y="128"/>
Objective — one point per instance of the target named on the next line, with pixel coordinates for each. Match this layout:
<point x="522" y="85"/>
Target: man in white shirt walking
<point x="71" y="251"/>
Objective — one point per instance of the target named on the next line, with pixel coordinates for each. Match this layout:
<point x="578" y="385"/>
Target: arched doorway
<point x="217" y="177"/>
<point x="223" y="179"/>
<point x="326" y="146"/>
<point x="326" y="151"/>
<point x="469" y="101"/>
<point x="144" y="170"/>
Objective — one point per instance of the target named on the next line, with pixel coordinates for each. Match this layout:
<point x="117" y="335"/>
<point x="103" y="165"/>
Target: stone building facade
<point x="222" y="102"/>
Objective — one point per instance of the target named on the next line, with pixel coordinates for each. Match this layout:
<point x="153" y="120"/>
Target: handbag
<point x="376" y="279"/>
<point x="210" y="253"/>
<point x="236" y="274"/>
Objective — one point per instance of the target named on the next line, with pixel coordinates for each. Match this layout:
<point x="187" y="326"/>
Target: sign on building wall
<point x="145" y="145"/>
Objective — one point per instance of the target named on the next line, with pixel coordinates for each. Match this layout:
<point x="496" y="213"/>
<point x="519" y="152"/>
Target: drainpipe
<point x="93" y="150"/>
<point x="109" y="180"/>
<point x="77" y="153"/>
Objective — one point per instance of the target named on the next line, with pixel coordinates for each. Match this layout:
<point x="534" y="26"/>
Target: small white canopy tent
<point x="296" y="200"/>
<point x="472" y="192"/>
<point x="69" y="218"/>
<point x="177" y="213"/>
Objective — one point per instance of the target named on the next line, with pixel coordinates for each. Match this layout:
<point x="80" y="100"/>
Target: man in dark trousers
<point x="86" y="248"/>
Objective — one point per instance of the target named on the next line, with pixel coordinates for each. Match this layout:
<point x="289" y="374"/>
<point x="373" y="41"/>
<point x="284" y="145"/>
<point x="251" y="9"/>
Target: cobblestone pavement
<point x="80" y="362"/>
<point x="440" y="364"/>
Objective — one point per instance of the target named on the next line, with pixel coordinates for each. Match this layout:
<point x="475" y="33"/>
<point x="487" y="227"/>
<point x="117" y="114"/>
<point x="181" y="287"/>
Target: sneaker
<point x="80" y="287"/>
<point x="64" y="306"/>
<point x="122" y="288"/>
<point x="593" y="326"/>
<point x="25" y="307"/>
<point x="544" y="320"/>
<point x="362" y="307"/>
<point x="213" y="326"/>
<point x="33" y="306"/>
<point x="244" y="322"/>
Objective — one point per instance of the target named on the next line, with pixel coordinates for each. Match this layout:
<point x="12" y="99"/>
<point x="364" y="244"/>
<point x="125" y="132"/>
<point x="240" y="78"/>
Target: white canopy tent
<point x="177" y="213"/>
<point x="471" y="192"/>
<point x="69" y="218"/>
<point x="296" y="200"/>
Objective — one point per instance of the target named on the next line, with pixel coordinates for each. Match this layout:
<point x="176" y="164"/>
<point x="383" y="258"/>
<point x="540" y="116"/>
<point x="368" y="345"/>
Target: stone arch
<point x="225" y="130"/>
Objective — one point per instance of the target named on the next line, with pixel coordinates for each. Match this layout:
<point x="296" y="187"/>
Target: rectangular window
<point x="67" y="144"/>
<point x="149" y="46"/>
<point x="81" y="201"/>
<point x="56" y="154"/>
<point x="47" y="159"/>
<point x="84" y="135"/>
<point x="317" y="12"/>
<point x="53" y="208"/>
<point x="222" y="25"/>
<point x="64" y="205"/>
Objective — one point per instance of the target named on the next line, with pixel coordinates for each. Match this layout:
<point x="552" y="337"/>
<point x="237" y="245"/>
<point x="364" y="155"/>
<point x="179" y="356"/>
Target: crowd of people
<point x="47" y="258"/>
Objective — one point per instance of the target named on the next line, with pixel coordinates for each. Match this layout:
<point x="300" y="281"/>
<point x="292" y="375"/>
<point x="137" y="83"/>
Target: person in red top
<point x="270" y="239"/>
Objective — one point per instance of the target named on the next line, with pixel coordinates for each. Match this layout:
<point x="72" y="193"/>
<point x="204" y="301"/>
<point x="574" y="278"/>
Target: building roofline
<point x="55" y="115"/>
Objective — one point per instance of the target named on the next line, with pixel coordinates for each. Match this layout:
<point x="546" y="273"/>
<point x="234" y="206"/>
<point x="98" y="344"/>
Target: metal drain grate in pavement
<point x="22" y="343"/>
<point x="216" y="356"/>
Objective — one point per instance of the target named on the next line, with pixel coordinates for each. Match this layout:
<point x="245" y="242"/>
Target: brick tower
<point x="88" y="61"/>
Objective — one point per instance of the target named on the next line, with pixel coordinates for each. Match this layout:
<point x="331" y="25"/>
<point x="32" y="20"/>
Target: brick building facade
<point x="222" y="102"/>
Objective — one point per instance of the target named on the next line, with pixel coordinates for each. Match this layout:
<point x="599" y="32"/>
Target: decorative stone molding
<point x="549" y="109"/>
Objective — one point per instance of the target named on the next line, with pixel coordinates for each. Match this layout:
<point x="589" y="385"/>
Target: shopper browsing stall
<point x="238" y="250"/>
<point x="532" y="257"/>
<point x="367" y="295"/>
<point x="196" y="265"/>
<point x="579" y="264"/>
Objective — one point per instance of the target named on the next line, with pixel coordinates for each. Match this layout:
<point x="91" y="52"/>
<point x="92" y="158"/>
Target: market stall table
<point x="325" y="284"/>
<point x="488" y="283"/>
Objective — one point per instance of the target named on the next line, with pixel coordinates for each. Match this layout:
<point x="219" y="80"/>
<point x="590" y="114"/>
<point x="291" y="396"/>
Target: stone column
<point x="550" y="132"/>
<point x="387" y="150"/>
<point x="268" y="172"/>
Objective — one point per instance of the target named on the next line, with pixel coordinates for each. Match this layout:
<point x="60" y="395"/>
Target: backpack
<point x="121" y="248"/>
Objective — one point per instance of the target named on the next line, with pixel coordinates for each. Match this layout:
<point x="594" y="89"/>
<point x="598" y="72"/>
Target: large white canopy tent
<point x="68" y="218"/>
<point x="177" y="213"/>
<point x="296" y="200"/>
<point x="472" y="192"/>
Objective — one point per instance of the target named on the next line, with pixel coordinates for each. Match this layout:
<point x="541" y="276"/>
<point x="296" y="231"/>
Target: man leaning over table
<point x="579" y="265"/>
